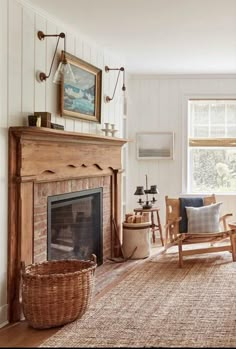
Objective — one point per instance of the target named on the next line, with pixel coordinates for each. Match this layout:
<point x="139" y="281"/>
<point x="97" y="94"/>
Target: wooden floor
<point x="20" y="335"/>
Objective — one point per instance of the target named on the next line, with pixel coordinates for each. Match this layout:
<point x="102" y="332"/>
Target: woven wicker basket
<point x="57" y="292"/>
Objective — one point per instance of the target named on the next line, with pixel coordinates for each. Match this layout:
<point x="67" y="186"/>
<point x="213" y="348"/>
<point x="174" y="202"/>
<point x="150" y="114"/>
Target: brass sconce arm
<point x="122" y="69"/>
<point x="43" y="76"/>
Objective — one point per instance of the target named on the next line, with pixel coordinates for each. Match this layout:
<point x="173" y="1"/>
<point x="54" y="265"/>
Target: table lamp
<point x="147" y="204"/>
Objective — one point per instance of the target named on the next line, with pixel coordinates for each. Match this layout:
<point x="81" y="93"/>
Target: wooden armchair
<point x="174" y="236"/>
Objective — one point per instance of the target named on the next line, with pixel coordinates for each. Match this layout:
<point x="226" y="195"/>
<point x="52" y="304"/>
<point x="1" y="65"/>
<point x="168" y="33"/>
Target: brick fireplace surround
<point x="45" y="162"/>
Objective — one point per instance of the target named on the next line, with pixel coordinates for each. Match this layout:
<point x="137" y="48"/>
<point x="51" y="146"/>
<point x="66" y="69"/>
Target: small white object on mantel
<point x="109" y="128"/>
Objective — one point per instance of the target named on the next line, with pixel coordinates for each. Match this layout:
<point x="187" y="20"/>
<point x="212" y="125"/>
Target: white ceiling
<point x="156" y="36"/>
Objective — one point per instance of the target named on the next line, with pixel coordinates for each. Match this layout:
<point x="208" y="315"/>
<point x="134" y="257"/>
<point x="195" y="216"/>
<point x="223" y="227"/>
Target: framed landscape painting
<point x="81" y="98"/>
<point x="155" y="145"/>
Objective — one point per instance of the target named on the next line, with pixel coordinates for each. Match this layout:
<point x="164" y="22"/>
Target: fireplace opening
<point x="75" y="225"/>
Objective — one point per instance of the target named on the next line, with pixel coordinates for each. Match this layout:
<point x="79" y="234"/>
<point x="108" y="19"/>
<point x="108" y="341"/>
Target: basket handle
<point x="94" y="258"/>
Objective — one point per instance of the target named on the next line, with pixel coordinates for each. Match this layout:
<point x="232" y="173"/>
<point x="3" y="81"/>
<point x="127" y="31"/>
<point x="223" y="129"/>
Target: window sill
<point x="201" y="194"/>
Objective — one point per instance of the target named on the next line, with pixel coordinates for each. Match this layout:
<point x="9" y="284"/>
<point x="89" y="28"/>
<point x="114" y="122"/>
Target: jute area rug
<point x="160" y="305"/>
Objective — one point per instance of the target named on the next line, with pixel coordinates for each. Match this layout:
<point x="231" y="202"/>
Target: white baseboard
<point x="3" y="315"/>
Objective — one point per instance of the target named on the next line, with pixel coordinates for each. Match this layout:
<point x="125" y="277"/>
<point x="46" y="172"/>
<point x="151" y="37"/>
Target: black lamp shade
<point x="147" y="204"/>
<point x="153" y="189"/>
<point x="139" y="191"/>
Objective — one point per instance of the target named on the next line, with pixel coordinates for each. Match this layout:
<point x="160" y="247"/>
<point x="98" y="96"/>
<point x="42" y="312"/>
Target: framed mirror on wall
<point x="155" y="145"/>
<point x="81" y="98"/>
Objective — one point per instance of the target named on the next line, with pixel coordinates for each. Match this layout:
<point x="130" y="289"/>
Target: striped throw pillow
<point x="205" y="219"/>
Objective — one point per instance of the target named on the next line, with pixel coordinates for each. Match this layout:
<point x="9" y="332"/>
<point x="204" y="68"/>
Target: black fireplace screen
<point x="75" y="225"/>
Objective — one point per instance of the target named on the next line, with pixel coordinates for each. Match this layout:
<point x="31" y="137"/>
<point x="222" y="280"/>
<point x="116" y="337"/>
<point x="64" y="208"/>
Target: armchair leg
<point x="180" y="253"/>
<point x="166" y="239"/>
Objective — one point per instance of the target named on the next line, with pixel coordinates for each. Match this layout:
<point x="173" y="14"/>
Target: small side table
<point x="154" y="226"/>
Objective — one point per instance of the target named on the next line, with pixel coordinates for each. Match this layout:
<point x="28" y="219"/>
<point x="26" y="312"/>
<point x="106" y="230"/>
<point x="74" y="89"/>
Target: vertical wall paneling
<point x="79" y="47"/>
<point x="133" y="173"/>
<point x="78" y="125"/>
<point x="100" y="64"/>
<point x="87" y="52"/>
<point x="183" y="145"/>
<point x="69" y="124"/>
<point x="59" y="119"/>
<point x="85" y="126"/>
<point x="118" y="100"/>
<point x="106" y="89"/>
<point x="28" y="69"/>
<point x="87" y="58"/>
<point x="112" y="76"/>
<point x="176" y="120"/>
<point x="22" y="54"/>
<point x="168" y="113"/>
<point x="94" y="56"/>
<point x="70" y="47"/>
<point x="165" y="124"/>
<point x="40" y="64"/>
<point x="15" y="64"/>
<point x="79" y="54"/>
<point x="93" y="61"/>
<point x="70" y="43"/>
<point x="118" y="122"/>
<point x="4" y="156"/>
<point x="51" y="89"/>
<point x="3" y="62"/>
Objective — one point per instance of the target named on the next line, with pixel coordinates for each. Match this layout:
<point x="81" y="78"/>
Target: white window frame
<point x="185" y="127"/>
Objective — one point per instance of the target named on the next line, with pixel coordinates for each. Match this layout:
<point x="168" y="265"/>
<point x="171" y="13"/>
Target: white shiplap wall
<point x="21" y="55"/>
<point x="159" y="103"/>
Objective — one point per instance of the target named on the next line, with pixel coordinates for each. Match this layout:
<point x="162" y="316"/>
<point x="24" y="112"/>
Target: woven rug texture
<point x="161" y="305"/>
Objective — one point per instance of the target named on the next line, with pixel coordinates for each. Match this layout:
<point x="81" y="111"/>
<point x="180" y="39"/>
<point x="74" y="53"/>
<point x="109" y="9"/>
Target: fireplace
<point x="46" y="195"/>
<point x="74" y="225"/>
<point x="45" y="164"/>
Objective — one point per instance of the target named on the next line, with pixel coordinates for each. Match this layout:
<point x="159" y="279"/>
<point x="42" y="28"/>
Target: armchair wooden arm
<point x="223" y="220"/>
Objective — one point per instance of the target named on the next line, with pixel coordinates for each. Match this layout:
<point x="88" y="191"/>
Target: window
<point x="212" y="146"/>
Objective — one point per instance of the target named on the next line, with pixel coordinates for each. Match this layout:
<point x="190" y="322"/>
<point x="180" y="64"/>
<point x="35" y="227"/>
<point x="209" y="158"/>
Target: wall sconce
<point x="140" y="191"/>
<point x="64" y="68"/>
<point x="122" y="69"/>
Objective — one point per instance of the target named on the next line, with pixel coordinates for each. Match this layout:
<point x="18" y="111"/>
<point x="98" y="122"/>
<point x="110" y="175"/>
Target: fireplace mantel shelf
<point x="52" y="134"/>
<point x="45" y="157"/>
<point x="47" y="154"/>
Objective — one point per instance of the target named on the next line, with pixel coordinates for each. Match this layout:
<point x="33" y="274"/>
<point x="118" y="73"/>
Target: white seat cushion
<point x="205" y="219"/>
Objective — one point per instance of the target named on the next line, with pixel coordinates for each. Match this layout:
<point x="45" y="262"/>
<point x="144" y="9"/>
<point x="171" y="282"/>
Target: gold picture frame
<point x="82" y="99"/>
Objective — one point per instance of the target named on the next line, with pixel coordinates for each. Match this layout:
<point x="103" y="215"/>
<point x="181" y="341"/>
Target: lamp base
<point x="147" y="205"/>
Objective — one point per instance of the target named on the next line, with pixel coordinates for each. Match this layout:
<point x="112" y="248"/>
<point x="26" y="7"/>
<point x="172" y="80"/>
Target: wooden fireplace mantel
<point x="38" y="154"/>
<point x="46" y="154"/>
